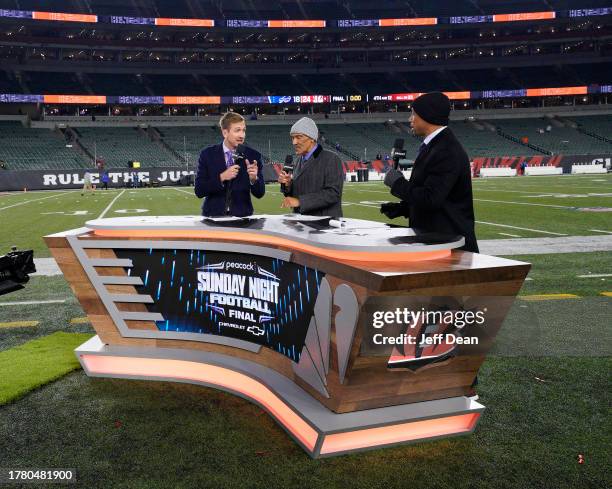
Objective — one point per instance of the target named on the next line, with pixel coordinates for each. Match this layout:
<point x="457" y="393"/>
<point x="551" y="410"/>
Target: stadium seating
<point x="273" y="142"/>
<point x="22" y="148"/>
<point x="484" y="142"/>
<point x="361" y="141"/>
<point x="54" y="83"/>
<point x="485" y="80"/>
<point x="546" y="134"/>
<point x="116" y="84"/>
<point x="175" y="85"/>
<point x="600" y="125"/>
<point x="189" y="141"/>
<point x="367" y="140"/>
<point x="117" y="146"/>
<point x="8" y="84"/>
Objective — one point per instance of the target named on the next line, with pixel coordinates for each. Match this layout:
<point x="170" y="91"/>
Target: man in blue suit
<point x="227" y="177"/>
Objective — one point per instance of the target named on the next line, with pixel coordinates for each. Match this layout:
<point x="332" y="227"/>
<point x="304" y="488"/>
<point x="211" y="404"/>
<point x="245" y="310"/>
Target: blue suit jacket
<point x="208" y="184"/>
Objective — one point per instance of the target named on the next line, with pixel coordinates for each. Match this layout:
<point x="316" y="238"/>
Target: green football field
<point x="526" y="207"/>
<point x="546" y="384"/>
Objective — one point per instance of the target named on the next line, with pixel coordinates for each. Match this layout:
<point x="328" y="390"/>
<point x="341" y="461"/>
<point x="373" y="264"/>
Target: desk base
<point x="319" y="431"/>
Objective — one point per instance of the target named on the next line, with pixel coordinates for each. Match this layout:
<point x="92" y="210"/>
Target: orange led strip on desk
<point x="344" y="256"/>
<point x="218" y="376"/>
<point x="399" y="433"/>
<point x="253" y="390"/>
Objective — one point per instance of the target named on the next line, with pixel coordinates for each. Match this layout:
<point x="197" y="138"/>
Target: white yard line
<point x="516" y="191"/>
<point x="548" y="245"/>
<point x="562" y="187"/>
<point x="525" y="203"/>
<point x="363" y="205"/>
<point x="111" y="204"/>
<point x="28" y="303"/>
<point x="523" y="229"/>
<point x="181" y="190"/>
<point x="498" y="201"/>
<point x="495" y="201"/>
<point x="511" y="235"/>
<point x="595" y="275"/>
<point x="34" y="200"/>
<point x="354" y="184"/>
<point x="387" y="192"/>
<point x="600" y="231"/>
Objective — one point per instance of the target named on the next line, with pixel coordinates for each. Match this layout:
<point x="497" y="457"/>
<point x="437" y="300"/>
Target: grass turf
<point x="135" y="434"/>
<point x="36" y="363"/>
<point x="542" y="411"/>
<point x="51" y="317"/>
<point x="563" y="273"/>
<point x="538" y="205"/>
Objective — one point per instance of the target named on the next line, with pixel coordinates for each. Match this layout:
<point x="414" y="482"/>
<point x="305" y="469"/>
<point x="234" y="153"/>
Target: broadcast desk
<point x="327" y="325"/>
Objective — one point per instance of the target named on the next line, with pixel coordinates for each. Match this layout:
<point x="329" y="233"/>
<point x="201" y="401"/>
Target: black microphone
<point x="398" y="152"/>
<point x="238" y="155"/>
<point x="287" y="168"/>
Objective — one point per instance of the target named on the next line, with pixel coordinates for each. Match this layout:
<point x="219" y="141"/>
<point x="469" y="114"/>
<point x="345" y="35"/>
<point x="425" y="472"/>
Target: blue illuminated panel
<point x="262" y="300"/>
<point x="502" y="93"/>
<point x="254" y="24"/>
<point x="587" y="12"/>
<point x="131" y="99"/>
<point x="358" y="23"/>
<point x="17" y="14"/>
<point x="120" y="19"/>
<point x="471" y="19"/>
<point x="20" y="98"/>
<point x="250" y="100"/>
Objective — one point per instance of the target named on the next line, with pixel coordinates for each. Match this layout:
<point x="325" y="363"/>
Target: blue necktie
<point x="228" y="159"/>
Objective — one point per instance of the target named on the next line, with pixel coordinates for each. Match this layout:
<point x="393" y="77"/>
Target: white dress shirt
<point x="428" y="139"/>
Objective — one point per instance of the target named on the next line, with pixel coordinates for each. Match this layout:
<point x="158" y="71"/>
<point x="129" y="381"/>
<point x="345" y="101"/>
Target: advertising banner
<point x="11" y="180"/>
<point x="564" y="161"/>
<point x="64" y="179"/>
<point x="253" y="298"/>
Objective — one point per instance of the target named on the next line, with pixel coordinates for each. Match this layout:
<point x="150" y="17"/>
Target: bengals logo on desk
<point x="430" y="343"/>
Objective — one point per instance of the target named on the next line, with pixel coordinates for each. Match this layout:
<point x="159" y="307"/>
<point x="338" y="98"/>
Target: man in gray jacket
<point x="315" y="187"/>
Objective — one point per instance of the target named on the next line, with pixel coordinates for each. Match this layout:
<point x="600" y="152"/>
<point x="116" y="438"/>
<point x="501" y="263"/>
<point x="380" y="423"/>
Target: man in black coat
<point x="229" y="172"/>
<point x="438" y="196"/>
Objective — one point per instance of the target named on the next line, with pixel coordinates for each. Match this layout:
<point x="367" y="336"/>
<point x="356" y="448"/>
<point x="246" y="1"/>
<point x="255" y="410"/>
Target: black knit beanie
<point x="433" y="107"/>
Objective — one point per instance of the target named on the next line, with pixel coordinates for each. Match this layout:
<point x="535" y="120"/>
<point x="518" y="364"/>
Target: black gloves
<point x="392" y="176"/>
<point x="392" y="209"/>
